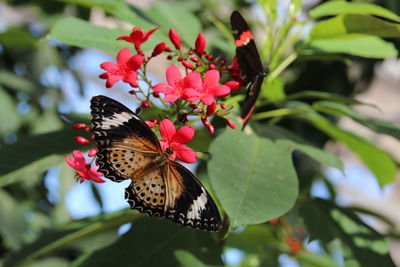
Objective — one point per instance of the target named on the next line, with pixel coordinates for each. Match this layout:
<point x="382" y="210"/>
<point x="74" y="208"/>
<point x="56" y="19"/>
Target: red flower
<point x="234" y="69"/>
<point x="137" y="37"/>
<point x="208" y="90"/>
<point x="211" y="108"/>
<point x="175" y="39"/>
<point x="176" y="86"/>
<point x="294" y="244"/>
<point x="176" y="139"/>
<point x="200" y="44"/>
<point x="125" y="69"/>
<point x="161" y="47"/>
<point x="83" y="169"/>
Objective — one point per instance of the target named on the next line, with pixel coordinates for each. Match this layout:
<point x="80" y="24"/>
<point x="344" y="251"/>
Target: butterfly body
<point x="251" y="68"/>
<point x="129" y="150"/>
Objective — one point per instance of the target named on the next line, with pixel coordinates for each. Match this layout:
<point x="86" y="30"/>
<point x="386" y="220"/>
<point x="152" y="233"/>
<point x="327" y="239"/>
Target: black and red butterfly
<point x="129" y="150"/>
<point x="251" y="68"/>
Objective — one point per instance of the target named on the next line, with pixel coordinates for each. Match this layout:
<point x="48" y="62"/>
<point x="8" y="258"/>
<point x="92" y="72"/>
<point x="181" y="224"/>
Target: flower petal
<point x="109" y="66"/>
<point x="123" y="56"/>
<point x="170" y="98"/>
<point x="220" y="90"/>
<point x="207" y="99"/>
<point x="135" y="62"/>
<point x="167" y="130"/>
<point x="183" y="135"/>
<point x="192" y="80"/>
<point x="191" y="95"/>
<point x="148" y="34"/>
<point x="162" y="88"/>
<point x="112" y="79"/>
<point x="131" y="78"/>
<point x="211" y="79"/>
<point x="185" y="154"/>
<point x="174" y="76"/>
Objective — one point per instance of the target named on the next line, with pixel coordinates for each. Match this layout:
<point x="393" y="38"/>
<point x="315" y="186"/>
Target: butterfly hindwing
<point x="194" y="207"/>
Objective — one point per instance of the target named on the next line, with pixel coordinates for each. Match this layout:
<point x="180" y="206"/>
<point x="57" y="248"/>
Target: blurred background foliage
<point x="320" y="55"/>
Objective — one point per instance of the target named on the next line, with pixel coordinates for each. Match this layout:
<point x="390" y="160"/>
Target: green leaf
<point x="253" y="239"/>
<point x="377" y="125"/>
<point x="315" y="153"/>
<point x="353" y="44"/>
<point x="187" y="259"/>
<point x="296" y="142"/>
<point x="332" y="8"/>
<point x="69" y="234"/>
<point x="77" y="32"/>
<point x="326" y="96"/>
<point x="153" y="242"/>
<point x="315" y="260"/>
<point x="348" y="24"/>
<point x="274" y="89"/>
<point x="15" y="82"/>
<point x="35" y="154"/>
<point x="368" y="246"/>
<point x="174" y="15"/>
<point x="377" y="160"/>
<point x="254" y="179"/>
<point x="17" y="38"/>
<point x="9" y="116"/>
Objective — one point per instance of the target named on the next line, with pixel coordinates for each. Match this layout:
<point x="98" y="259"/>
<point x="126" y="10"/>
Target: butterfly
<point x="129" y="150"/>
<point x="251" y="68"/>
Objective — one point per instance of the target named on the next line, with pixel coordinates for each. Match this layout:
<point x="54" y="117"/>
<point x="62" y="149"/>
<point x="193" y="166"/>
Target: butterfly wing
<point x="126" y="145"/>
<point x="251" y="68"/>
<point x="175" y="193"/>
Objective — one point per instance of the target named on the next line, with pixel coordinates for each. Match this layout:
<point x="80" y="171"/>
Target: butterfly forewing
<point x="128" y="149"/>
<point x="251" y="68"/>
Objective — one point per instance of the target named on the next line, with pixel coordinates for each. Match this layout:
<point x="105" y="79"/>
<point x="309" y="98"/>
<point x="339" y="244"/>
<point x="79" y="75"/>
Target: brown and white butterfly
<point x="129" y="150"/>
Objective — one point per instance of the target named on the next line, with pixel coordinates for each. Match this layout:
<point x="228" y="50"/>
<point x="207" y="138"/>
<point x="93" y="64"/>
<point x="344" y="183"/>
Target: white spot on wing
<point x="115" y="120"/>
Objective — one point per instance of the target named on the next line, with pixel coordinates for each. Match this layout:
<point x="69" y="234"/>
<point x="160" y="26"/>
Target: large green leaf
<point x="332" y="8"/>
<point x="314" y="260"/>
<point x="326" y="96"/>
<point x="152" y="242"/>
<point x="68" y="234"/>
<point x="377" y="160"/>
<point x="80" y="33"/>
<point x="368" y="246"/>
<point x="15" y="37"/>
<point x="35" y="154"/>
<point x="353" y="44"/>
<point x="17" y="83"/>
<point x="377" y="125"/>
<point x="253" y="177"/>
<point x="347" y="24"/>
<point x="295" y="142"/>
<point x="174" y="15"/>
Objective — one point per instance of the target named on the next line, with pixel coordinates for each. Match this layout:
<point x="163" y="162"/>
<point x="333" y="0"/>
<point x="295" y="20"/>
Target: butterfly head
<point x="169" y="151"/>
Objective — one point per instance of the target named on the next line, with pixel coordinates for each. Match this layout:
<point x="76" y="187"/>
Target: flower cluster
<point x="193" y="95"/>
<point x="84" y="169"/>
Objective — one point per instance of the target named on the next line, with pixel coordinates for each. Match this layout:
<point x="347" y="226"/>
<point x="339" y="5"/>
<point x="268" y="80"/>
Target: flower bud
<point x="145" y="104"/>
<point x="137" y="111"/>
<point x="194" y="59"/>
<point x="175" y="39"/>
<point x="187" y="65"/>
<point x="231" y="123"/>
<point x="156" y="94"/>
<point x="92" y="152"/>
<point x="233" y="85"/>
<point x="211" y="108"/>
<point x="161" y="47"/>
<point x="78" y="126"/>
<point x="81" y="140"/>
<point x="200" y="44"/>
<point x="223" y="106"/>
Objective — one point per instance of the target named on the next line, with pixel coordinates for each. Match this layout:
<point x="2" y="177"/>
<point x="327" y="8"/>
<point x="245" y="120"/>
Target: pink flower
<point x="175" y="39"/>
<point x="137" y="37"/>
<point x="177" y="85"/>
<point x="176" y="139"/>
<point x="208" y="90"/>
<point x="83" y="169"/>
<point x="125" y="69"/>
<point x="200" y="44"/>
